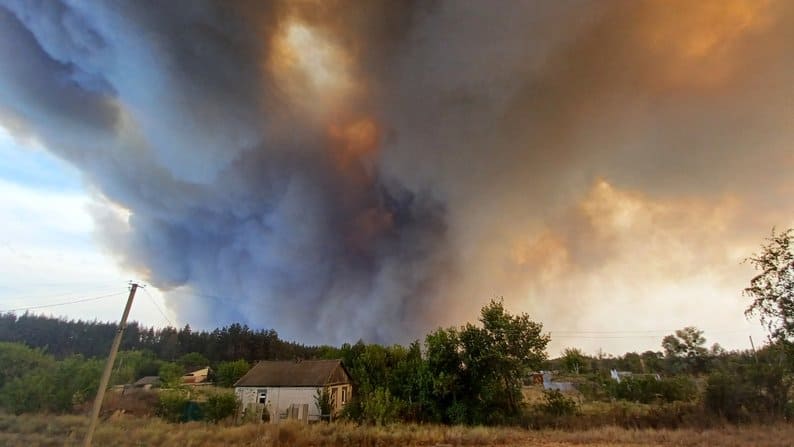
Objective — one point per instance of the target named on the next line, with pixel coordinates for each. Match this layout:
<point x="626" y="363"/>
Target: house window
<point x="333" y="397"/>
<point x="344" y="395"/>
<point x="262" y="396"/>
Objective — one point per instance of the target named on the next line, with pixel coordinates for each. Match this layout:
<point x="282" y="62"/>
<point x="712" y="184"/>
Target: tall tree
<point x="687" y="345"/>
<point x="772" y="289"/>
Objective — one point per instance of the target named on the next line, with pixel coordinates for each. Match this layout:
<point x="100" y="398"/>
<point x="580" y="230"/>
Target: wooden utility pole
<point x="752" y="345"/>
<point x="103" y="382"/>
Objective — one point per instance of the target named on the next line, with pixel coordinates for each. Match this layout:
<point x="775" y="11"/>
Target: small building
<point x="147" y="382"/>
<point x="198" y="376"/>
<point x="289" y="389"/>
<point x="550" y="384"/>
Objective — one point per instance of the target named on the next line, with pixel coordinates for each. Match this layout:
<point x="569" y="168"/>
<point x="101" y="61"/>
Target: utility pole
<point x="752" y="345"/>
<point x="103" y="382"/>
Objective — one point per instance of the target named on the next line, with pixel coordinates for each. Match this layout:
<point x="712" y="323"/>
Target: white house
<point x="288" y="389"/>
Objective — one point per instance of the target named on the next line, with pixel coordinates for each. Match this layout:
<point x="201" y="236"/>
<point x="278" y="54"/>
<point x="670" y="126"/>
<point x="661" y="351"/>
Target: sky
<point x="345" y="170"/>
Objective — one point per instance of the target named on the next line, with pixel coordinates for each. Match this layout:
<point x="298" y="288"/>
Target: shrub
<point x="172" y="406"/>
<point x="230" y="372"/>
<point x="28" y="393"/>
<point x="59" y="388"/>
<point x="647" y="389"/>
<point x="755" y="393"/>
<point x="17" y="360"/>
<point x="557" y="404"/>
<point x="220" y="406"/>
<point x="322" y="399"/>
<point x="171" y="375"/>
<point x="381" y="407"/>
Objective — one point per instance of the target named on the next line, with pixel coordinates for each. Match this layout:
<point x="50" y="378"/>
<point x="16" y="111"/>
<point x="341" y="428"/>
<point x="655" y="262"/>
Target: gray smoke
<point x="493" y="124"/>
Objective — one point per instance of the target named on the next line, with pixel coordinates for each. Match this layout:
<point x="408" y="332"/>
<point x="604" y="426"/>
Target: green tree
<point x="132" y="365"/>
<point x="573" y="360"/>
<point x="192" y="361"/>
<point x="514" y="344"/>
<point x="31" y="392"/>
<point x="322" y="399"/>
<point x="772" y="290"/>
<point x="381" y="408"/>
<point x="477" y="371"/>
<point x="686" y="349"/>
<point x="77" y="380"/>
<point x="171" y="374"/>
<point x="220" y="406"/>
<point x="17" y="360"/>
<point x="230" y="372"/>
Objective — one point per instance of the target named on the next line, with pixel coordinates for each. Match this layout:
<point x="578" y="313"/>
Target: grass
<point x="124" y="430"/>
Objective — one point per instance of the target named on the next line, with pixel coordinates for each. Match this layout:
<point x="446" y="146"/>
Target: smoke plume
<point x="372" y="169"/>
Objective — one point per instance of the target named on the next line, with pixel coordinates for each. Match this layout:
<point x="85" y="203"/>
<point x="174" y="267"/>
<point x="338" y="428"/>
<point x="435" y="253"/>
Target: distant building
<point x="288" y="389"/>
<point x="618" y="376"/>
<point x="147" y="382"/>
<point x="199" y="376"/>
<point x="550" y="384"/>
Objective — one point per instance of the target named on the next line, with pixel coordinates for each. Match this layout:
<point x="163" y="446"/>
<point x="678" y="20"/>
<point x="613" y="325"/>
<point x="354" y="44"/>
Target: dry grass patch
<point x="43" y="430"/>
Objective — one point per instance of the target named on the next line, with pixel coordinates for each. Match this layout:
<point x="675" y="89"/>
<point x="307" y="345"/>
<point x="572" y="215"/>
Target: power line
<point x="58" y="295"/>
<point x="151" y="298"/>
<point x="63" y="303"/>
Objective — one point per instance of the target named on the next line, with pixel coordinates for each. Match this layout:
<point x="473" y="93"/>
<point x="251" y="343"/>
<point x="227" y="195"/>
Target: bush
<point x="77" y="381"/>
<point x="381" y="407"/>
<point x="230" y="372"/>
<point x="755" y="393"/>
<point x="29" y="393"/>
<point x="171" y="375"/>
<point x="557" y="404"/>
<point x="220" y="406"/>
<point x="59" y="388"/>
<point x="647" y="389"/>
<point x="172" y="406"/>
<point x="17" y="360"/>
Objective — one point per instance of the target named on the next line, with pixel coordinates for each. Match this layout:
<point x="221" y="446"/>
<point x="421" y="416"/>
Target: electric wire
<point x="65" y="303"/>
<point x="151" y="298"/>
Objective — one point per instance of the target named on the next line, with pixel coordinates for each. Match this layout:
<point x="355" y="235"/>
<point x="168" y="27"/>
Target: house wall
<point x="279" y="399"/>
<point x="340" y="396"/>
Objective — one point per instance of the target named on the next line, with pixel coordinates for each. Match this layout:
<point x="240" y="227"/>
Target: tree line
<point x="63" y="338"/>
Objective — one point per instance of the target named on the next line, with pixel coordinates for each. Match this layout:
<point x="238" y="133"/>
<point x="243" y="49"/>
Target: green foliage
<point x="470" y="374"/>
<point x="322" y="399"/>
<point x="76" y="381"/>
<point x="171" y="375"/>
<point x="28" y="393"/>
<point x="381" y="408"/>
<point x="173" y="405"/>
<point x="56" y="388"/>
<point x="748" y="392"/>
<point x="557" y="404"/>
<point x="17" y="360"/>
<point x="772" y="290"/>
<point x="132" y="365"/>
<point x="230" y="372"/>
<point x="220" y="406"/>
<point x="647" y="389"/>
<point x="192" y="361"/>
<point x="686" y="350"/>
<point x="573" y="360"/>
<point x="62" y="338"/>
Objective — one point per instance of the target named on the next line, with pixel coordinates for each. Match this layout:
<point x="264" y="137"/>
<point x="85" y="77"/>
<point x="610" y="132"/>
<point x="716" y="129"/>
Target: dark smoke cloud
<point x="497" y="125"/>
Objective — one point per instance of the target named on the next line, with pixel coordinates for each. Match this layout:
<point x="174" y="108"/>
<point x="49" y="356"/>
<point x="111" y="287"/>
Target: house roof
<point x="147" y="380"/>
<point x="295" y="373"/>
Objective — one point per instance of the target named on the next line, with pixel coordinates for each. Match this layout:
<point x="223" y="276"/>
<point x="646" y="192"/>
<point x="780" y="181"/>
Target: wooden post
<point x="752" y="345"/>
<point x="103" y="382"/>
